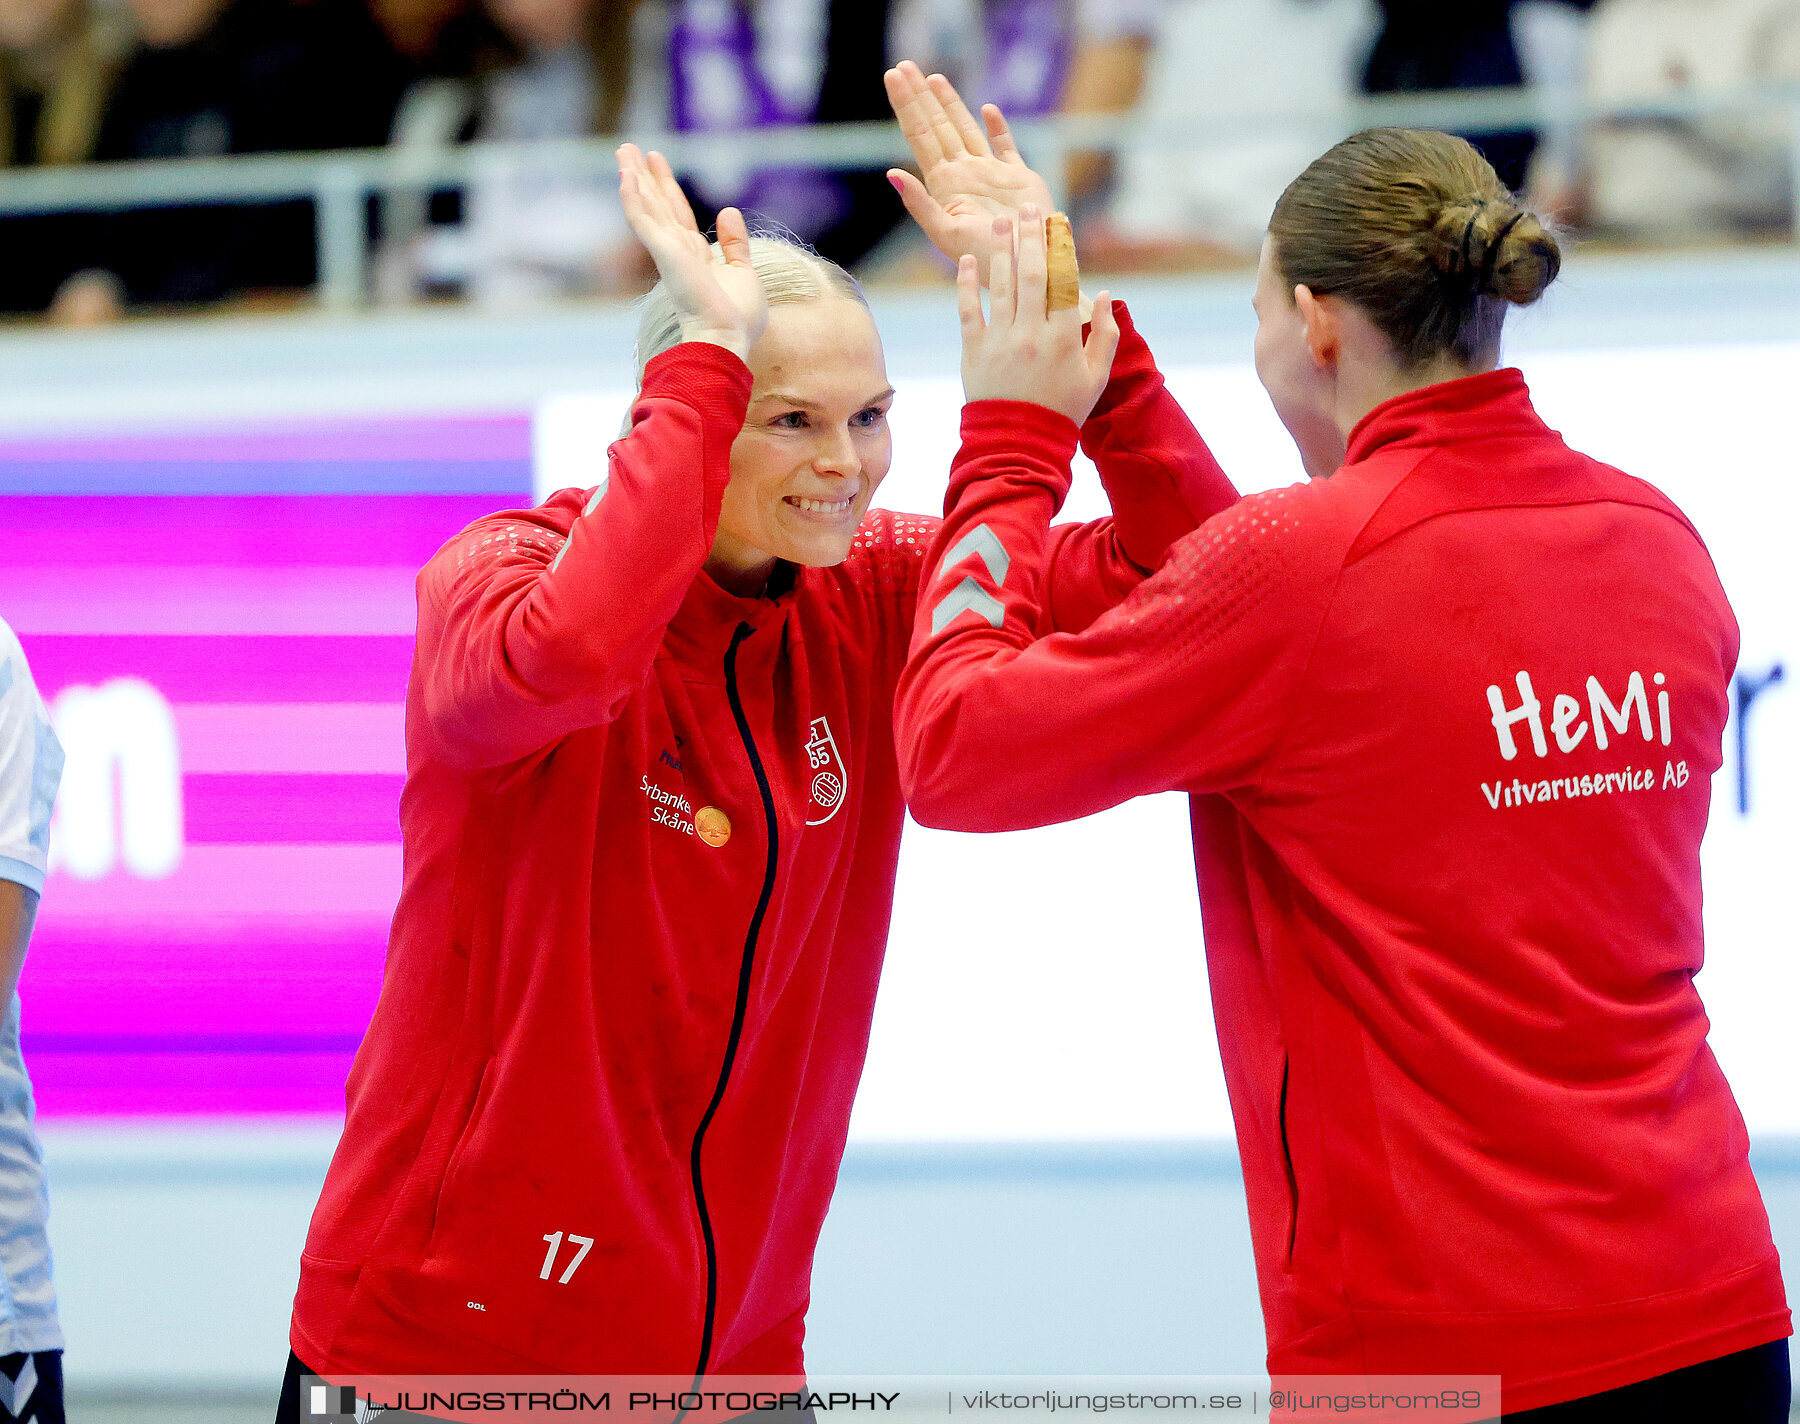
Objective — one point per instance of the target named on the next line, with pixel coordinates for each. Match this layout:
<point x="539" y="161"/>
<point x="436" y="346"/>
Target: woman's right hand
<point x="719" y="302"/>
<point x="1023" y="351"/>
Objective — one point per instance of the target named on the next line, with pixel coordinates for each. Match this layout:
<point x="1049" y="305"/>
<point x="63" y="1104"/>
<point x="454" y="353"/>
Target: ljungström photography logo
<point x="323" y="1403"/>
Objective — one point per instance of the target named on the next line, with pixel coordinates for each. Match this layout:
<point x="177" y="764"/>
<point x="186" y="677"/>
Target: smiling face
<point x="815" y="443"/>
<point x="1302" y="389"/>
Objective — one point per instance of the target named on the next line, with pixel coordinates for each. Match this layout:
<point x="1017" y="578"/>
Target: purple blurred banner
<point x="222" y="623"/>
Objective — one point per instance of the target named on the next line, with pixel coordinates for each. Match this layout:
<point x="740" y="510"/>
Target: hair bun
<point x="1452" y="244"/>
<point x="1417" y="229"/>
<point x="1524" y="261"/>
<point x="1498" y="249"/>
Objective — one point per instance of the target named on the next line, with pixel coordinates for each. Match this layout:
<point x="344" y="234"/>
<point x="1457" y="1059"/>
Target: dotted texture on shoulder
<point x="888" y="553"/>
<point x="514" y="535"/>
<point x="1214" y="579"/>
<point x="515" y="542"/>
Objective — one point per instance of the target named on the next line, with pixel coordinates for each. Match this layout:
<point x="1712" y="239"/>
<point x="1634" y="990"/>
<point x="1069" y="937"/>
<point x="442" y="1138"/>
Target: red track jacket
<point x="650" y="836"/>
<point x="1451" y="718"/>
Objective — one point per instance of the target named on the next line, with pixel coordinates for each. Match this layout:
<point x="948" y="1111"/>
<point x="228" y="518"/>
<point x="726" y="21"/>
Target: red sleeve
<point x="524" y="636"/>
<point x="1163" y="480"/>
<point x="1159" y="476"/>
<point x="1186" y="685"/>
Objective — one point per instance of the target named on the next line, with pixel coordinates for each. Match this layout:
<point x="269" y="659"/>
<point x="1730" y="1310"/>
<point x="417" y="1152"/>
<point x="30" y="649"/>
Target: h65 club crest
<point x="830" y="778"/>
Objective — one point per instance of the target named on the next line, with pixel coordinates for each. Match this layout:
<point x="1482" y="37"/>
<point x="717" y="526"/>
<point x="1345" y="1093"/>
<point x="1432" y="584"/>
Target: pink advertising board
<point x="222" y="624"/>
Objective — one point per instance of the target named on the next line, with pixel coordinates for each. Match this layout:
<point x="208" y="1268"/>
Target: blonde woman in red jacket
<point x="651" y="819"/>
<point x="1450" y="714"/>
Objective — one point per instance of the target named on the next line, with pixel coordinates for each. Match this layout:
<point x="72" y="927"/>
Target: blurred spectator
<point x="437" y="48"/>
<point x="1427" y="45"/>
<point x="1259" y="84"/>
<point x="851" y="91"/>
<point x="437" y="38"/>
<point x="1553" y="48"/>
<point x="214" y="77"/>
<point x="530" y="231"/>
<point x="1027" y="45"/>
<point x="1228" y="76"/>
<point x="724" y="66"/>
<point x="693" y="66"/>
<point x="1114" y="42"/>
<point x="1038" y="59"/>
<point x="58" y="59"/>
<point x="1014" y="53"/>
<point x="1724" y="174"/>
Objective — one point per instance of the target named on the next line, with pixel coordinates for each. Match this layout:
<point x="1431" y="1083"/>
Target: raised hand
<point x="1024" y="351"/>
<point x="718" y="301"/>
<point x="971" y="176"/>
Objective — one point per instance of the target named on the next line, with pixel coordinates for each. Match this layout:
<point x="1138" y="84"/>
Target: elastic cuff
<point x="715" y="384"/>
<point x="1132" y="362"/>
<point x="706" y="376"/>
<point x="20" y="873"/>
<point x="1017" y="441"/>
<point x="1018" y="426"/>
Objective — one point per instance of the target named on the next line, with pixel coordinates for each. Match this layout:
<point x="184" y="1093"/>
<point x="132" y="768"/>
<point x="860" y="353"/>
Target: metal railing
<point x="340" y="182"/>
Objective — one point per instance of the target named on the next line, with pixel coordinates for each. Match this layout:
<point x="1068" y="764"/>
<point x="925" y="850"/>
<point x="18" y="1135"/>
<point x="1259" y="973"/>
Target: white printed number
<point x="585" y="1242"/>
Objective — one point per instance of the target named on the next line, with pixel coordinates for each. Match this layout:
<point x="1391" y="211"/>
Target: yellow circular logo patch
<point x="713" y="825"/>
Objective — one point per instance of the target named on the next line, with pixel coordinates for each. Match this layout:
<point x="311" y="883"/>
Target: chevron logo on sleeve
<point x="969" y="596"/>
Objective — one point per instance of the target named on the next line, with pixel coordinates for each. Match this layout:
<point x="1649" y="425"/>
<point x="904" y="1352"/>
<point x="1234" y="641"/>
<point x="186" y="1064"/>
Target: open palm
<point x="721" y="301"/>
<point x="972" y="175"/>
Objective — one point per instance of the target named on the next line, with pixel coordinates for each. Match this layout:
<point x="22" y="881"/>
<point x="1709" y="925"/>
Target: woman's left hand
<point x="1023" y="351"/>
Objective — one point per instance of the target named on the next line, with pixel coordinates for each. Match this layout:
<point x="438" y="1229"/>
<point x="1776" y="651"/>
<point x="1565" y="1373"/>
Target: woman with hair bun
<point x="651" y="821"/>
<point x="1449" y="714"/>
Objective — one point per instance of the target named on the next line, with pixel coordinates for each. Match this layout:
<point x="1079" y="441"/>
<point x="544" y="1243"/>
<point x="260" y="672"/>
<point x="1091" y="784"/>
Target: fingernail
<point x="894" y="182"/>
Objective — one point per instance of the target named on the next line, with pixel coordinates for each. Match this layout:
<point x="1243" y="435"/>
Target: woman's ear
<point x="1320" y="318"/>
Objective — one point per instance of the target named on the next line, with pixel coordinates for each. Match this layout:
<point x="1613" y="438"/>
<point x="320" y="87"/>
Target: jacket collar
<point x="709" y="617"/>
<point x="1494" y="403"/>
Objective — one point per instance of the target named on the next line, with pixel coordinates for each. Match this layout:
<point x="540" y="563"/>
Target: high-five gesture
<point x="721" y="301"/>
<point x="972" y="175"/>
<point x="1024" y="351"/>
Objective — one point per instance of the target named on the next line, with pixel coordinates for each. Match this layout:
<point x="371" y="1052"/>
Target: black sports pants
<point x="34" y="1397"/>
<point x="1750" y="1387"/>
